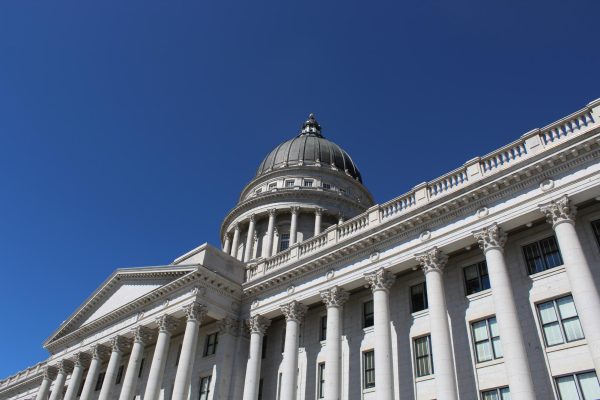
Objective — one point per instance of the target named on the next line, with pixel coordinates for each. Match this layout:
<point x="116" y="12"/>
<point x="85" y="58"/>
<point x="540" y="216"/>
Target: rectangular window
<point x="283" y="340"/>
<point x="369" y="369"/>
<point x="323" y="328"/>
<point x="178" y="354"/>
<point x="326" y="186"/>
<point x="284" y="241"/>
<point x="272" y="185"/>
<point x="279" y="386"/>
<point x="260" y="389"/>
<point x="321" y="381"/>
<point x="81" y="387"/>
<point x="476" y="278"/>
<point x="120" y="374"/>
<point x="141" y="368"/>
<point x="582" y="386"/>
<point x="100" y="381"/>
<point x="368" y="314"/>
<point x="263" y="352"/>
<point x="542" y="255"/>
<point x="486" y="339"/>
<point x="560" y="322"/>
<point x="496" y="394"/>
<point x="308" y="183"/>
<point x="210" y="347"/>
<point x="418" y="297"/>
<point x="423" y="360"/>
<point x="204" y="387"/>
<point x="289" y="184"/>
<point x="596" y="228"/>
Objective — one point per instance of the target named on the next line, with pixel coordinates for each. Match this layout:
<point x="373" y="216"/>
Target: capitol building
<point x="480" y="284"/>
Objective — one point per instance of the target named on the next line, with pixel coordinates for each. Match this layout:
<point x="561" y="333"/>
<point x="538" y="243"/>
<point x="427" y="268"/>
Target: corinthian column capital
<point x="81" y="359"/>
<point x="142" y="334"/>
<point x="380" y="279"/>
<point x="64" y="366"/>
<point x="294" y="311"/>
<point x="50" y="372"/>
<point x="334" y="297"/>
<point x="99" y="352"/>
<point x="559" y="211"/>
<point x="229" y="326"/>
<point x="258" y="324"/>
<point x="195" y="311"/>
<point x="120" y="344"/>
<point x="490" y="237"/>
<point x="432" y="260"/>
<point x="166" y="323"/>
<point x="295" y="209"/>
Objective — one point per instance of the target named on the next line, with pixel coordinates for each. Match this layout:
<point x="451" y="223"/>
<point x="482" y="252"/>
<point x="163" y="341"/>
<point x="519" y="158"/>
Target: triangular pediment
<point x="122" y="288"/>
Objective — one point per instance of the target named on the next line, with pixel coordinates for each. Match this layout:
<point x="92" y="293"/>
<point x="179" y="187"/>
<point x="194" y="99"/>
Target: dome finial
<point x="311" y="126"/>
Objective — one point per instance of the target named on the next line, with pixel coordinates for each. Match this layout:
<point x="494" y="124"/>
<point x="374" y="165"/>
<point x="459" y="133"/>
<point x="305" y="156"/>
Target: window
<point x="120" y="374"/>
<point x="323" y="328"/>
<point x="263" y="353"/>
<point x="100" y="381"/>
<point x="204" y="387"/>
<point x="476" y="278"/>
<point x="210" y="347"/>
<point x="542" y="255"/>
<point x="272" y="185"/>
<point x="80" y="390"/>
<point x="486" y="340"/>
<point x="423" y="360"/>
<point x="496" y="394"/>
<point x="368" y="314"/>
<point x="308" y="183"/>
<point x="596" y="228"/>
<point x="260" y="386"/>
<point x="289" y="183"/>
<point x="369" y="369"/>
<point x="321" y="381"/>
<point x="141" y="368"/>
<point x="326" y="186"/>
<point x="178" y="354"/>
<point x="582" y="386"/>
<point x="418" y="297"/>
<point x="284" y="241"/>
<point x="559" y="320"/>
<point x="283" y="340"/>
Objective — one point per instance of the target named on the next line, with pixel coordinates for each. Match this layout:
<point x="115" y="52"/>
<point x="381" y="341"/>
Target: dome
<point x="309" y="148"/>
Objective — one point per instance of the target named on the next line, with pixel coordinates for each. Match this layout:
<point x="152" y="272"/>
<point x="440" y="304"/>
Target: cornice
<point x="462" y="202"/>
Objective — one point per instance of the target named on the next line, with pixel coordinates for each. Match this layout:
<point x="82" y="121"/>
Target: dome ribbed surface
<point x="309" y="149"/>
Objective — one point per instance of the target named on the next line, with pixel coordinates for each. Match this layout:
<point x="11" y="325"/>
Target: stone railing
<point x="530" y="144"/>
<point x="22" y="375"/>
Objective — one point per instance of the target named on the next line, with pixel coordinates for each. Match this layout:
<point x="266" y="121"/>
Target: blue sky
<point x="128" y="129"/>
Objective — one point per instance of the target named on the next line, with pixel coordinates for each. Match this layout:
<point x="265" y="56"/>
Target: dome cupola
<point x="301" y="188"/>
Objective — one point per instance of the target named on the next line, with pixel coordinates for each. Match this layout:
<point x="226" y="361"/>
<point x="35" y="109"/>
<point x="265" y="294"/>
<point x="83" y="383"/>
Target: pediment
<point x="122" y="288"/>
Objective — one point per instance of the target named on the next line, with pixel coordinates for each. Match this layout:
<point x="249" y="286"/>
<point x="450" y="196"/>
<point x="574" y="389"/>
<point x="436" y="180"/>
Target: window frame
<point x="271" y="186"/>
<point x="210" y="346"/>
<point x="429" y="355"/>
<point x="99" y="381"/>
<point x="120" y="371"/>
<point x="497" y="390"/>
<point x="208" y="380"/>
<point x="370" y="317"/>
<point x="308" y="183"/>
<point x="289" y="183"/>
<point x="283" y="240"/>
<point x="596" y="230"/>
<point x="141" y="370"/>
<point x="323" y="327"/>
<point x="575" y="375"/>
<point x="559" y="321"/>
<point x="425" y="299"/>
<point x="480" y="277"/>
<point x="542" y="255"/>
<point x="368" y="384"/>
<point x="326" y="185"/>
<point x="490" y="339"/>
<point x="321" y="380"/>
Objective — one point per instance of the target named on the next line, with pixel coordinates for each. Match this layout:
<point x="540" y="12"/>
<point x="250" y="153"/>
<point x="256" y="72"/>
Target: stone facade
<point x="481" y="284"/>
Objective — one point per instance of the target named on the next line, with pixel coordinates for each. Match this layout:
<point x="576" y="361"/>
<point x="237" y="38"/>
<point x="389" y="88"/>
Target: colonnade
<point x="491" y="239"/>
<point x="114" y="352"/>
<point x="231" y="243"/>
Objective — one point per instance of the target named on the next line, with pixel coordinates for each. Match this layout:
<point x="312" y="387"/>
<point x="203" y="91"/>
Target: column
<point x="270" y="233"/>
<point x="318" y="216"/>
<point x="166" y="326"/>
<point x="491" y="240"/>
<point x="257" y="325"/>
<point x="227" y="243"/>
<point x="249" y="239"/>
<point x="334" y="298"/>
<point x="229" y="329"/>
<point x="195" y="312"/>
<point x="64" y="368"/>
<point x="294" y="314"/>
<point x="561" y="214"/>
<point x="381" y="281"/>
<point x="141" y="337"/>
<point x="98" y="353"/>
<point x="119" y="345"/>
<point x="294" y="225"/>
<point x="79" y="363"/>
<point x="236" y="241"/>
<point x="49" y="375"/>
<point x="433" y="262"/>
